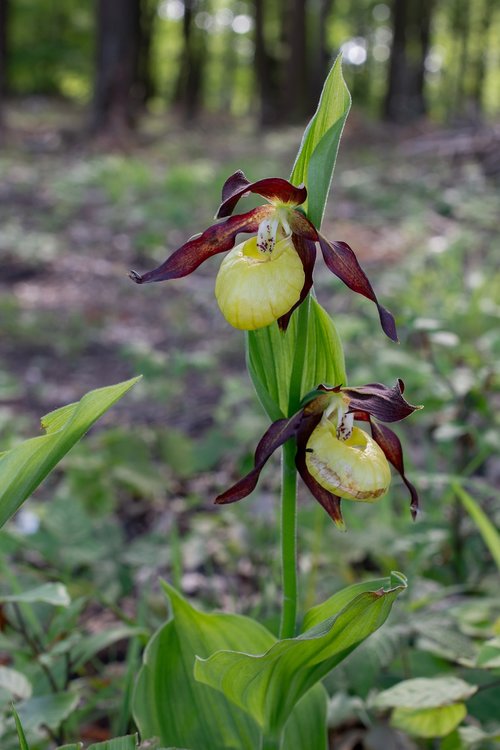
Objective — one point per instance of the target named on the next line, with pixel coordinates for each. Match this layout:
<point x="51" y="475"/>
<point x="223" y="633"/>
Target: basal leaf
<point x="49" y="593"/>
<point x="270" y="355"/>
<point x="425" y="692"/>
<point x="118" y="743"/>
<point x="170" y="704"/>
<point x="48" y="710"/>
<point x="317" y="154"/>
<point x="269" y="685"/>
<point x="26" y="465"/>
<point x="429" y="722"/>
<point x="15" y="683"/>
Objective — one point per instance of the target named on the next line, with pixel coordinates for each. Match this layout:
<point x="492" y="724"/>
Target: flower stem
<point x="289" y="485"/>
<point x="269" y="743"/>
<point x="288" y="540"/>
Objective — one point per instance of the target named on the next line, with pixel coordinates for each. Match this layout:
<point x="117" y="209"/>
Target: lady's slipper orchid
<point x="265" y="278"/>
<point x="334" y="458"/>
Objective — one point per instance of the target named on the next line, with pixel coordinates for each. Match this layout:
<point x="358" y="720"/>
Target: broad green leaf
<point x="49" y="710"/>
<point x="341" y="599"/>
<point x="23" y="744"/>
<point x="269" y="685"/>
<point x="15" y="683"/>
<point x="317" y="154"/>
<point x="26" y="465"/>
<point x="270" y="355"/>
<point x="49" y="593"/>
<point x="170" y="704"/>
<point x="490" y="535"/>
<point x="489" y="654"/>
<point x="425" y="692"/>
<point x="429" y="722"/>
<point x="71" y="746"/>
<point x="118" y="743"/>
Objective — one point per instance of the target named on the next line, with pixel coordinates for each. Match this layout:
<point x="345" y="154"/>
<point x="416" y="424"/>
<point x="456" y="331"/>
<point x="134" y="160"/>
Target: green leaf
<point x="429" y="722"/>
<point x="71" y="746"/>
<point x="15" y="683"/>
<point x="48" y="710"/>
<point x="49" y="593"/>
<point x="171" y="705"/>
<point x="270" y="356"/>
<point x="25" y="466"/>
<point x="489" y="654"/>
<point x="118" y="743"/>
<point x="424" y="692"/>
<point x="490" y="535"/>
<point x="269" y="685"/>
<point x="23" y="743"/>
<point x="317" y="154"/>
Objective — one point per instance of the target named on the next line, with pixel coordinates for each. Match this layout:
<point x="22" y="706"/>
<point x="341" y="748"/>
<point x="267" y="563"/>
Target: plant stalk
<point x="270" y="743"/>
<point x="289" y="485"/>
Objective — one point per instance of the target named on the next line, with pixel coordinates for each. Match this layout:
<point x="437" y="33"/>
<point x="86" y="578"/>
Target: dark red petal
<point x="300" y="224"/>
<point x="329" y="501"/>
<point x="381" y="401"/>
<point x="216" y="239"/>
<point x="342" y="261"/>
<point x="391" y="445"/>
<point x="277" y="434"/>
<point x="234" y="184"/>
<point x="306" y="251"/>
<point x="272" y="188"/>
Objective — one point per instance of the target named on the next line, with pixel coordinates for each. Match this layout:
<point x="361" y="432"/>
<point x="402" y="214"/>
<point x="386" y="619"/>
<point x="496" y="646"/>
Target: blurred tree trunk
<point x="145" y="79"/>
<point x="266" y="67"/>
<point x="411" y="29"/>
<point x="319" y="54"/>
<point x="461" y="27"/>
<point x="482" y="56"/>
<point x="189" y="86"/>
<point x="3" y="58"/>
<point x="296" y="101"/>
<point x="115" y="89"/>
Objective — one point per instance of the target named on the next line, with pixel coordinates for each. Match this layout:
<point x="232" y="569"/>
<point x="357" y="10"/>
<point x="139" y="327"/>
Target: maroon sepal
<point x="216" y="239"/>
<point x="380" y="401"/>
<point x="306" y="251"/>
<point x="329" y="501"/>
<point x="277" y="434"/>
<point x="342" y="261"/>
<point x="300" y="224"/>
<point x="272" y="188"/>
<point x="391" y="445"/>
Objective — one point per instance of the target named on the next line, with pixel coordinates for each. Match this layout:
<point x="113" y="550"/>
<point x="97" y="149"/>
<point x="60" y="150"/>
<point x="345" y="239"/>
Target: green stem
<point x="295" y="392"/>
<point x="289" y="485"/>
<point x="288" y="540"/>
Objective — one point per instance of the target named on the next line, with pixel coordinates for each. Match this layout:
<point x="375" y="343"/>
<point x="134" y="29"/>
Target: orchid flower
<point x="335" y="458"/>
<point x="265" y="278"/>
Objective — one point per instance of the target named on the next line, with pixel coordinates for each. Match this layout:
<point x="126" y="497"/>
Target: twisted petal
<point x="380" y="401"/>
<point x="391" y="445"/>
<point x="272" y="188"/>
<point x="329" y="501"/>
<point x="216" y="239"/>
<point x="341" y="261"/>
<point x="277" y="434"/>
<point x="306" y="250"/>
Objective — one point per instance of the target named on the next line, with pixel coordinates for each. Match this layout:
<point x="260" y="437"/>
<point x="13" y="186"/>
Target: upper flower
<point x="334" y="458"/>
<point x="265" y="278"/>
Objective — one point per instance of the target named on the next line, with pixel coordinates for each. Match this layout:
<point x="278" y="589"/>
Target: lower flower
<point x="255" y="287"/>
<point x="335" y="459"/>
